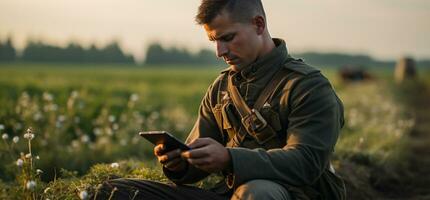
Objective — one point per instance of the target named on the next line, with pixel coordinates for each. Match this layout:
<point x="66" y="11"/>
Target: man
<point x="269" y="122"/>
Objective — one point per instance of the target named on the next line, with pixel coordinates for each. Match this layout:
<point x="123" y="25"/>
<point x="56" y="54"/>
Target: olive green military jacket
<point x="304" y="111"/>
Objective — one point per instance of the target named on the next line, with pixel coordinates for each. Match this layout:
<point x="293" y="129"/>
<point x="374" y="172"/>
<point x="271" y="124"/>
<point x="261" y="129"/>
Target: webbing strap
<point x="251" y="119"/>
<point x="270" y="88"/>
<point x="237" y="99"/>
<point x="240" y="103"/>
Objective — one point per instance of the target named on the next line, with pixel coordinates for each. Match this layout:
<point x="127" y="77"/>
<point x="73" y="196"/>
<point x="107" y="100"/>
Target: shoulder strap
<point x="237" y="99"/>
<point x="270" y="88"/>
<point x="251" y="119"/>
<point x="240" y="103"/>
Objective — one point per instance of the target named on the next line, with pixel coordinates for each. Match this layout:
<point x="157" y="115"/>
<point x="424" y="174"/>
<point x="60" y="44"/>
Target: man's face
<point x="237" y="43"/>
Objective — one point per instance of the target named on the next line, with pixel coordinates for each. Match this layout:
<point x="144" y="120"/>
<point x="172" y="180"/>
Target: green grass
<point x="83" y="115"/>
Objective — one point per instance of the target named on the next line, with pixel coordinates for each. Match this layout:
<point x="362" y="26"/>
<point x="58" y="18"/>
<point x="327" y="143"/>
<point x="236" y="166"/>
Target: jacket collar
<point x="268" y="62"/>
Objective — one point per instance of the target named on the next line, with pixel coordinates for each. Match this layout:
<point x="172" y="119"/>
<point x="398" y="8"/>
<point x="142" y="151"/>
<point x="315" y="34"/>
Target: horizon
<point x="384" y="31"/>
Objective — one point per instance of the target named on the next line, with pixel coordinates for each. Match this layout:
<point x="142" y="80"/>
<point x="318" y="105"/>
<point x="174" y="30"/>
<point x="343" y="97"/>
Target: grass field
<point x="82" y="115"/>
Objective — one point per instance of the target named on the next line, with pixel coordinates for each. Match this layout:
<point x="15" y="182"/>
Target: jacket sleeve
<point x="205" y="126"/>
<point x="315" y="117"/>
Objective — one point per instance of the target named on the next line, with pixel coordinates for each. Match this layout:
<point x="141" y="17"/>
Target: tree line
<point x="37" y="51"/>
<point x="156" y="54"/>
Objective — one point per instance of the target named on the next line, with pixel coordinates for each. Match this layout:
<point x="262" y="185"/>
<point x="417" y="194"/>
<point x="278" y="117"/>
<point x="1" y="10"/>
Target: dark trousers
<point x="134" y="189"/>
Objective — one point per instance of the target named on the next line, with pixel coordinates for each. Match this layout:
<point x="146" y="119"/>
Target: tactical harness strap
<point x="262" y="132"/>
<point x="251" y="119"/>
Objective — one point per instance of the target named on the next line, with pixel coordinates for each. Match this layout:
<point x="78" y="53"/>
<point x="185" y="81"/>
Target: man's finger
<point x="158" y="150"/>
<point x="173" y="163"/>
<point x="198" y="162"/>
<point x="195" y="153"/>
<point x="169" y="156"/>
<point x="162" y="159"/>
<point x="199" y="142"/>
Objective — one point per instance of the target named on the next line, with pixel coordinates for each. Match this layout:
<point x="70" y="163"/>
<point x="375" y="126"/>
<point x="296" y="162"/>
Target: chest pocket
<point x="227" y="122"/>
<point x="230" y="125"/>
<point x="272" y="117"/>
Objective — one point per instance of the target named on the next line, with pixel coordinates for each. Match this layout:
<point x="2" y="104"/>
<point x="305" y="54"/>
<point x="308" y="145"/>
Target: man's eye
<point x="228" y="38"/>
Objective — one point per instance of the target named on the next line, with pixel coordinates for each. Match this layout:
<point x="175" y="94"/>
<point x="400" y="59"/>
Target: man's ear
<point x="260" y="24"/>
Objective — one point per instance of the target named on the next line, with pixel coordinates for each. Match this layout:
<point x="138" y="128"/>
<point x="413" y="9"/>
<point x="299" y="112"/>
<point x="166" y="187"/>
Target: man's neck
<point x="268" y="46"/>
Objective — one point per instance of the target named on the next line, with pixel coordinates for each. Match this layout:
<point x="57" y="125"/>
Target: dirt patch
<point x="410" y="181"/>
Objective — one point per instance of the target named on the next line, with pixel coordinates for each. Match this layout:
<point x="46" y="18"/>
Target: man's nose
<point x="221" y="49"/>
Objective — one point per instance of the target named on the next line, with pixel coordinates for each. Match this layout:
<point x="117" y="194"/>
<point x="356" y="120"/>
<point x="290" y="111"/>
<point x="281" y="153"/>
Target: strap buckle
<point x="258" y="122"/>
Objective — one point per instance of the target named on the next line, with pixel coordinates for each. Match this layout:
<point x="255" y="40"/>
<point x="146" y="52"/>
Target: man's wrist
<point x="228" y="168"/>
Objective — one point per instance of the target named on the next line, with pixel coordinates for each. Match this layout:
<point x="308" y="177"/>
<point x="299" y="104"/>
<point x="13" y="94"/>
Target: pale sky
<point x="385" y="29"/>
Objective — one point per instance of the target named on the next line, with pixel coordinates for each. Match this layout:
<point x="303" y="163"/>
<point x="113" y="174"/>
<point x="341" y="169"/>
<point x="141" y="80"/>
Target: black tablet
<point x="163" y="137"/>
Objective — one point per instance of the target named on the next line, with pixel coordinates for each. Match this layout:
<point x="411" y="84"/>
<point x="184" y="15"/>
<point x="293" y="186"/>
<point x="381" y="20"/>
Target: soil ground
<point x="416" y="184"/>
<point x="411" y="182"/>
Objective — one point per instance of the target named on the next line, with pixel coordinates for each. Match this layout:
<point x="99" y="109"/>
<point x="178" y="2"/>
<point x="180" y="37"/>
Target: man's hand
<point x="208" y="155"/>
<point x="171" y="160"/>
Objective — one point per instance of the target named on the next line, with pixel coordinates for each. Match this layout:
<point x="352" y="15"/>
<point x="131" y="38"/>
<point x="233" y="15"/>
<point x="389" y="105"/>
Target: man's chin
<point x="236" y="67"/>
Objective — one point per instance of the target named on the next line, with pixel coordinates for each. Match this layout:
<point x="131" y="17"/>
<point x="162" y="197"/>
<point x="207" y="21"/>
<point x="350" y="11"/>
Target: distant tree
<point x="113" y="53"/>
<point x="156" y="54"/>
<point x="93" y="54"/>
<point x="7" y="51"/>
<point x="74" y="52"/>
<point x="206" y="56"/>
<point x="37" y="51"/>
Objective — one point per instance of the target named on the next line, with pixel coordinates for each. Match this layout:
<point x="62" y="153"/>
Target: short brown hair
<point x="239" y="10"/>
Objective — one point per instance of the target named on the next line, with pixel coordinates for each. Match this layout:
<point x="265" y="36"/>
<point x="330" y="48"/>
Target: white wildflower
<point x="123" y="142"/>
<point x="75" y="144"/>
<point x="134" y="97"/>
<point x="39" y="171"/>
<point x="83" y="195"/>
<point x="61" y="118"/>
<point x="109" y="131"/>
<point x="37" y="157"/>
<point x="15" y="139"/>
<point x="5" y="136"/>
<point x="54" y="107"/>
<point x="74" y="94"/>
<point x="29" y="135"/>
<point x="112" y="118"/>
<point x="31" y="185"/>
<point x="114" y="165"/>
<point x="85" y="138"/>
<point x="25" y="94"/>
<point x="38" y="116"/>
<point x="47" y="96"/>
<point x="97" y="131"/>
<point x="115" y="126"/>
<point x="19" y="162"/>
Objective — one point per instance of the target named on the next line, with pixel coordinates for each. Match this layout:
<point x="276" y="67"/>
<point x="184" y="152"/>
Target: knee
<point x="260" y="189"/>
